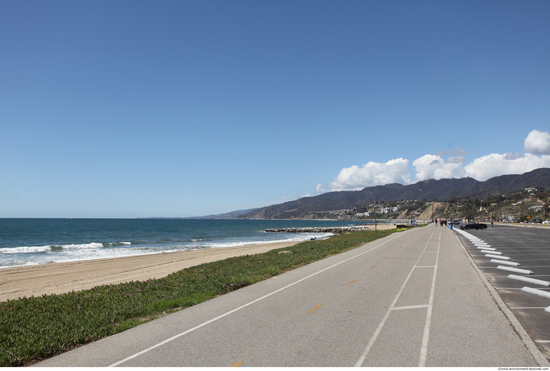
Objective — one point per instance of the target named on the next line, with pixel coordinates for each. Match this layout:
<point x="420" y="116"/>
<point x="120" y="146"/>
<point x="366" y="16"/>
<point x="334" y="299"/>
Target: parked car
<point x="472" y="225"/>
<point x="546" y="222"/>
<point x="455" y="222"/>
<point x="538" y="221"/>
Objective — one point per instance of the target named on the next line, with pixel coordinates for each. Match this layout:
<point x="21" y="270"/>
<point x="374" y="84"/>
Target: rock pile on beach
<point x="320" y="229"/>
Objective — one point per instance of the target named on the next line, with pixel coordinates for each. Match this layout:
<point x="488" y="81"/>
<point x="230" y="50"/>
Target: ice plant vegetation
<point x="35" y="328"/>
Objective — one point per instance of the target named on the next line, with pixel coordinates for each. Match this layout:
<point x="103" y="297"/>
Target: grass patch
<point x="35" y="328"/>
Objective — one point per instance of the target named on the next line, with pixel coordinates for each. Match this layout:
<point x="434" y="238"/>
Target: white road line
<point x="372" y="340"/>
<point x="497" y="256"/>
<point x="411" y="307"/>
<point x="527" y="341"/>
<point x="245" y="305"/>
<point x="529" y="279"/>
<point x="516" y="270"/>
<point x="504" y="262"/>
<point x="539" y="292"/>
<point x="426" y="336"/>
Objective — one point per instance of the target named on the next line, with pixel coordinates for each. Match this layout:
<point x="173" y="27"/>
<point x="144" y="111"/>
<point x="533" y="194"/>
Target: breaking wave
<point x="48" y="248"/>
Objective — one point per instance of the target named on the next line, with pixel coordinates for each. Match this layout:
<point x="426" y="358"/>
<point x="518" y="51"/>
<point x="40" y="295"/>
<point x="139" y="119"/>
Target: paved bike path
<point x="413" y="298"/>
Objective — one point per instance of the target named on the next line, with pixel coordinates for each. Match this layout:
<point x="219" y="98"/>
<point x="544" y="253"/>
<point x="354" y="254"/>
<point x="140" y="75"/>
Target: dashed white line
<point x="372" y="340"/>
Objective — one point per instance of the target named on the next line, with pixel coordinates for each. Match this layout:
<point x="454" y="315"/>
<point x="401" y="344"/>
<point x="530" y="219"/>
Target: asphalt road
<point x="530" y="249"/>
<point x="414" y="298"/>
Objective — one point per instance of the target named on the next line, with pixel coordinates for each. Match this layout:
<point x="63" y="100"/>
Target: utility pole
<point x="375" y="229"/>
<point x="546" y="206"/>
<point x="521" y="208"/>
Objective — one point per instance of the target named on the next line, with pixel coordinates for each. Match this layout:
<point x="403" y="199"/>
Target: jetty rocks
<point x="321" y="229"/>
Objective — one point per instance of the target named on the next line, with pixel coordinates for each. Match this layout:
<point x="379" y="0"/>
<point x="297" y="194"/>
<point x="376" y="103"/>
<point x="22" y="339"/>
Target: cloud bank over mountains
<point x="445" y="164"/>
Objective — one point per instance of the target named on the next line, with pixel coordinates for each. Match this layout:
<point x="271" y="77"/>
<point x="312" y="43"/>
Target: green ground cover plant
<point x="35" y="328"/>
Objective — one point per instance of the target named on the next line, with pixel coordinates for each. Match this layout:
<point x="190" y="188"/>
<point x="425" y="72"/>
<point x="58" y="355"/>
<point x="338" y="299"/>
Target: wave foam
<point x="115" y="244"/>
<point x="92" y="245"/>
<point x="25" y="249"/>
<point x="51" y="248"/>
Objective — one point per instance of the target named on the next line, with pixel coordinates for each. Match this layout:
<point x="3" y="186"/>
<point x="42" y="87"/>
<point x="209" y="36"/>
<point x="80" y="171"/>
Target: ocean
<point x="44" y="241"/>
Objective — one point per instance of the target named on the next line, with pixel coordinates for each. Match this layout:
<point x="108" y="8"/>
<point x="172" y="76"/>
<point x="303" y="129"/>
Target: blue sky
<point x="186" y="108"/>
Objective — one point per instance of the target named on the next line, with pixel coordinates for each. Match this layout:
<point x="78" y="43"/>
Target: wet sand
<point x="58" y="278"/>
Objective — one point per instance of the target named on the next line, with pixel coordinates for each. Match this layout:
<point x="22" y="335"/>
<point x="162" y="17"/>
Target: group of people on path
<point x="442" y="222"/>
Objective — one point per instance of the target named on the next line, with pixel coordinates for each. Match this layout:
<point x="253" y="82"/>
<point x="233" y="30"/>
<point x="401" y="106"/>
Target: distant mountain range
<point x="230" y="215"/>
<point x="442" y="189"/>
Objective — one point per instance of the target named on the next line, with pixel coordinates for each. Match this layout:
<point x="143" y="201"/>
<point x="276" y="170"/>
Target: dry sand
<point x="59" y="278"/>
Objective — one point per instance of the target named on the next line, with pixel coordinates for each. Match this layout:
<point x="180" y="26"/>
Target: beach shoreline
<point x="58" y="278"/>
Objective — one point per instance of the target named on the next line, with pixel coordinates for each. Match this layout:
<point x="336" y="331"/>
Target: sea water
<point x="43" y="241"/>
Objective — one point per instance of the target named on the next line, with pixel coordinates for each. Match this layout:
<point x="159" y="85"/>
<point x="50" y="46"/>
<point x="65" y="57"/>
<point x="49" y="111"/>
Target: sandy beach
<point x="58" y="278"/>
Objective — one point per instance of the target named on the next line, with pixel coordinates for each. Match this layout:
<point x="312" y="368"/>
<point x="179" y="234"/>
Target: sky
<point x="124" y="109"/>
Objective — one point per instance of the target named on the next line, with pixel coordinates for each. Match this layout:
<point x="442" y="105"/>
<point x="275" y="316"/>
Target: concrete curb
<point x="529" y="344"/>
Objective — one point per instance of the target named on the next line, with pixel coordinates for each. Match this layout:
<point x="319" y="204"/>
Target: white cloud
<point x="456" y="160"/>
<point x="434" y="167"/>
<point x="320" y="189"/>
<point x="497" y="164"/>
<point x="371" y="174"/>
<point x="537" y="142"/>
<point x="460" y="152"/>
